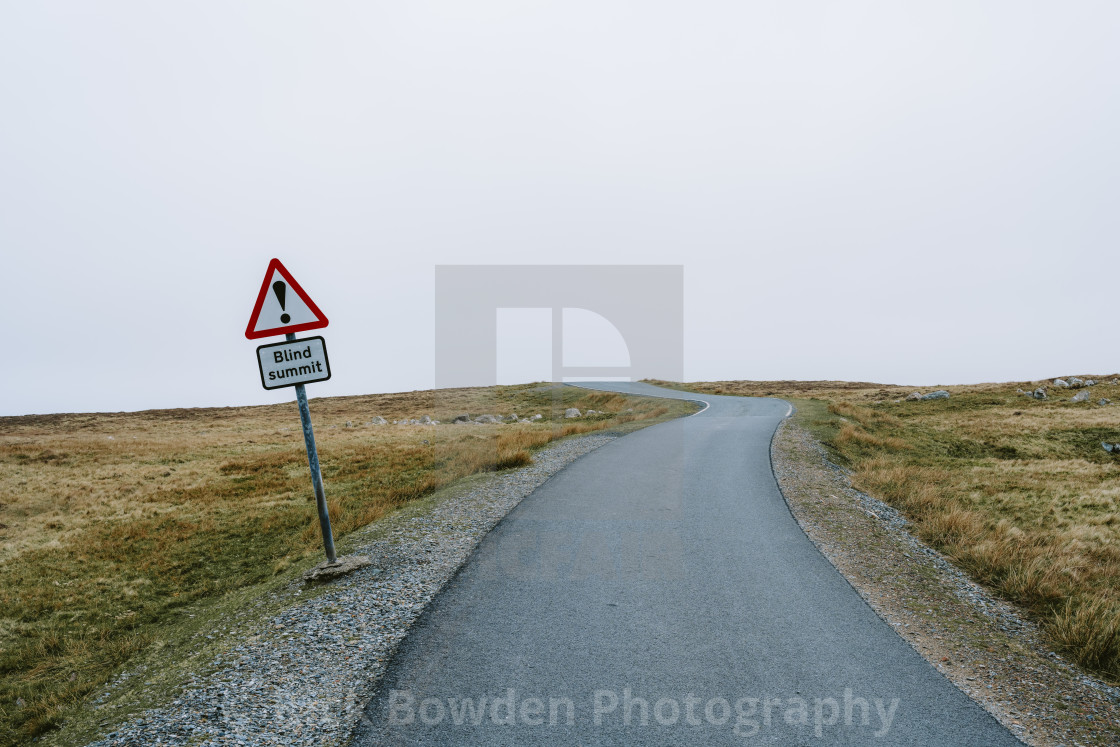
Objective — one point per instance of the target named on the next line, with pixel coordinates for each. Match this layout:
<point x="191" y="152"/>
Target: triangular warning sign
<point x="282" y="306"/>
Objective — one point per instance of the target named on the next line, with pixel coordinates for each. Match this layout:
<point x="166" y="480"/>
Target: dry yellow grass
<point x="113" y="524"/>
<point x="853" y="435"/>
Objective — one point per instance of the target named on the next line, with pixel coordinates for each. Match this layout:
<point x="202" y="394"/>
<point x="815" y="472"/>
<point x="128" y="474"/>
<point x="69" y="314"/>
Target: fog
<point x="895" y="192"/>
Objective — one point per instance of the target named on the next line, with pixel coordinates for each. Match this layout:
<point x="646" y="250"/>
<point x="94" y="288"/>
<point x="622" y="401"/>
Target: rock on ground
<point x="343" y="566"/>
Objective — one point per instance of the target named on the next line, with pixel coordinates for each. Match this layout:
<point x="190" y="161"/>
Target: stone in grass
<point x="571" y="412"/>
<point x="1082" y="396"/>
<point x="345" y="565"/>
<point x="378" y="420"/>
<point x="939" y="394"/>
<point x="1111" y="448"/>
<point x="1061" y="383"/>
<point x="913" y="396"/>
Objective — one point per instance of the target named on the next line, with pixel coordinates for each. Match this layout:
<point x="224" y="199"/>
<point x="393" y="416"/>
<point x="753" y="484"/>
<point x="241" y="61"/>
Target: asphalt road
<point x="658" y="591"/>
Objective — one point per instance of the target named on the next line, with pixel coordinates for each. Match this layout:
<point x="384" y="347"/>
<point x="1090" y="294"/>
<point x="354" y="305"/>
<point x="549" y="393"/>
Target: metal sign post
<point x="284" y="308"/>
<point x="313" y="463"/>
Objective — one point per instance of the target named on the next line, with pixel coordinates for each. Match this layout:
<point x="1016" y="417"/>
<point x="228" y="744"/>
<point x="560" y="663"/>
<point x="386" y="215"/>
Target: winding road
<point x="658" y="591"/>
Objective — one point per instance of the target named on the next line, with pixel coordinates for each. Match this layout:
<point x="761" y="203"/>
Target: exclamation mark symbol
<point x="280" y="289"/>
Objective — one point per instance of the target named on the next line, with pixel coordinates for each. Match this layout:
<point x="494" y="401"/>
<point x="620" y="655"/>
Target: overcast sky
<point x="893" y="191"/>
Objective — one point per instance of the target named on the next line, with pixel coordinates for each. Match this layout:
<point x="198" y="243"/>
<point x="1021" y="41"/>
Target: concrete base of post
<point x="327" y="571"/>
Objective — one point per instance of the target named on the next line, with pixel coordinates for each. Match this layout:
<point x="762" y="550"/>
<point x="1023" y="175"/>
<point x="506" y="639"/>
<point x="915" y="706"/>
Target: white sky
<point x="891" y="191"/>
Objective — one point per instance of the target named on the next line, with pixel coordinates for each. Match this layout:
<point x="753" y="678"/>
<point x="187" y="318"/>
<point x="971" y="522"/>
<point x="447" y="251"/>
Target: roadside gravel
<point x="981" y="643"/>
<point x="303" y="677"/>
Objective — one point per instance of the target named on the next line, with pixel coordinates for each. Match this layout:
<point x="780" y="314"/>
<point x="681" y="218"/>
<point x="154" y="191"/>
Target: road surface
<point x="658" y="591"/>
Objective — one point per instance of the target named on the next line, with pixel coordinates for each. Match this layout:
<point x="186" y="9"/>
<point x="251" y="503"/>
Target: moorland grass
<point x="125" y="533"/>
<point x="1017" y="491"/>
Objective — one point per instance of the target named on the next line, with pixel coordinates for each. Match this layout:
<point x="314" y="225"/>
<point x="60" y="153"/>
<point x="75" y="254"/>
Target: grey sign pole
<point x="313" y="463"/>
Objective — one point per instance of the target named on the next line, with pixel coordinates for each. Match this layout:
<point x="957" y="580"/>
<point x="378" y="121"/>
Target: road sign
<point x="282" y="307"/>
<point x="295" y="362"/>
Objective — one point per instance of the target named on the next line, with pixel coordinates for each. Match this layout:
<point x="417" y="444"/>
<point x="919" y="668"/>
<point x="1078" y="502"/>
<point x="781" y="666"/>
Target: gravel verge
<point x="304" y="675"/>
<point x="984" y="645"/>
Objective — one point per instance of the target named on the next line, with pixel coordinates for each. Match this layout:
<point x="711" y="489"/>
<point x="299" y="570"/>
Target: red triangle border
<point x="319" y="323"/>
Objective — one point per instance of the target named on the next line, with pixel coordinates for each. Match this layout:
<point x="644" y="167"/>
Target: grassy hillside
<point x="118" y="530"/>
<point x="1017" y="491"/>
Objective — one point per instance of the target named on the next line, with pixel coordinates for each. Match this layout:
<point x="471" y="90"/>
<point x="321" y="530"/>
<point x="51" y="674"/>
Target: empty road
<point x="658" y="591"/>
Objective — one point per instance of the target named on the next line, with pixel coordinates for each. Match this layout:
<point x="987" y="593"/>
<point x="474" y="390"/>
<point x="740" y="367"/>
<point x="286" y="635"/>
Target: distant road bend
<point x="658" y="591"/>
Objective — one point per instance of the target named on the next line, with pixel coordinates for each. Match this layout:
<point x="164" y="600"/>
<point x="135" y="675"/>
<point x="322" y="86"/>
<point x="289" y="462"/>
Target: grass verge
<point x="125" y="537"/>
<point x="1017" y="491"/>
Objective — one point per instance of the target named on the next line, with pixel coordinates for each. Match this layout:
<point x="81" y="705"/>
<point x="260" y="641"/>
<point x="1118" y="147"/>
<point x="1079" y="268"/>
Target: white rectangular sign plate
<point x="296" y="362"/>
